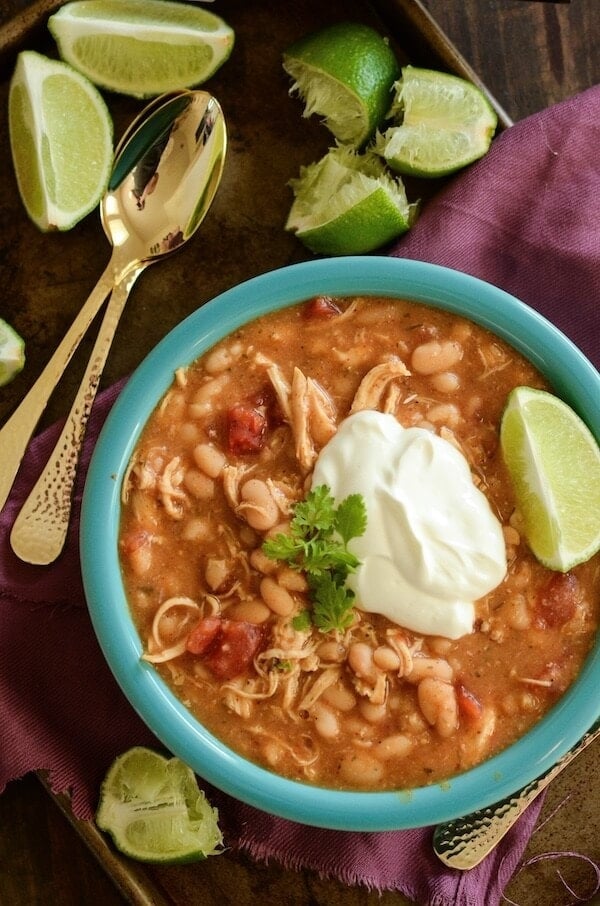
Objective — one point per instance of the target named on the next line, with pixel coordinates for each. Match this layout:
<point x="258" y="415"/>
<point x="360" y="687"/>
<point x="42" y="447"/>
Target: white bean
<point x="189" y="433"/>
<point x="258" y="507"/>
<point x="361" y="770"/>
<point x="437" y="701"/>
<point x="435" y="356"/>
<point x="276" y="598"/>
<point x="292" y="579"/>
<point x="210" y="388"/>
<point x="215" y="573"/>
<point x="222" y="358"/>
<point x="386" y="658"/>
<point x="196" y="530"/>
<point x="198" y="484"/>
<point x="445" y="382"/>
<point x="396" y="746"/>
<point x="326" y="722"/>
<point x="360" y="659"/>
<point x="439" y="645"/>
<point x="332" y="652"/>
<point x="262" y="563"/>
<point x="374" y="714"/>
<point x="430" y="667"/>
<point x="202" y="400"/>
<point x="444" y="414"/>
<point x="339" y="697"/>
<point x="252" y="611"/>
<point x="210" y="460"/>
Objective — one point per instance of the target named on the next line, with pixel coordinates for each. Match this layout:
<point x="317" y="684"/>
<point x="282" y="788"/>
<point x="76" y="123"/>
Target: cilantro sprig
<point x="317" y="545"/>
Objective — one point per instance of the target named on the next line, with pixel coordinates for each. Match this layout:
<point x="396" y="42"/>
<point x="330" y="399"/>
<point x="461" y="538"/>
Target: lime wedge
<point x="61" y="141"/>
<point x="344" y="73"/>
<point x="554" y="463"/>
<point x="347" y="204"/>
<point x="12" y="353"/>
<point x="141" y="47"/>
<point x="441" y="123"/>
<point x="155" y="812"/>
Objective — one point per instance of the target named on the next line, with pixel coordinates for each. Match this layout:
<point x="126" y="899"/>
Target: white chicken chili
<point x="321" y="550"/>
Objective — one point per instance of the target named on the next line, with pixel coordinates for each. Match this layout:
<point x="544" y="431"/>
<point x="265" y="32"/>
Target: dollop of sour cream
<point x="432" y="546"/>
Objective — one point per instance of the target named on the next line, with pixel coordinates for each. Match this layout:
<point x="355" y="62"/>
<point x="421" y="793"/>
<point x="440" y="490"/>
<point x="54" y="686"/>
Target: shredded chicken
<point x="313" y="418"/>
<point x="158" y="648"/>
<point x="169" y="488"/>
<point x="282" y="389"/>
<point x="374" y="385"/>
<point x="232" y="479"/>
<point x="317" y="687"/>
<point x="397" y="641"/>
<point x="376" y="692"/>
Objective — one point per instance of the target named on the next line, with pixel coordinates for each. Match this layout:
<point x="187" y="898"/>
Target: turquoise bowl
<point x="572" y="377"/>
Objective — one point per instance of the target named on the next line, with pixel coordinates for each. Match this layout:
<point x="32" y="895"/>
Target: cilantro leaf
<point x="302" y="621"/>
<point x="332" y="607"/>
<point x="285" y="547"/>
<point x="316" y="513"/>
<point x="351" y="518"/>
<point x="318" y="545"/>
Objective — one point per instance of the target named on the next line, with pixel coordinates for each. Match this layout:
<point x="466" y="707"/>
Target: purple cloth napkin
<point x="524" y="218"/>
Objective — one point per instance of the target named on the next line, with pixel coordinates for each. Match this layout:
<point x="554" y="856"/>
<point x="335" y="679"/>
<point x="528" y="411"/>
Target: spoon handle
<point x="16" y="433"/>
<point x="464" y="842"/>
<point x="40" y="530"/>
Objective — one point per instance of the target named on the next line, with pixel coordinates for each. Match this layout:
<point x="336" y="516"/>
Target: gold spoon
<point x="167" y="170"/>
<point x="464" y="842"/>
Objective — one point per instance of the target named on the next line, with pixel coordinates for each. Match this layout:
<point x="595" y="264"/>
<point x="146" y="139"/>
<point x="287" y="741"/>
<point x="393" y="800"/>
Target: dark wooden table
<point x="530" y="54"/>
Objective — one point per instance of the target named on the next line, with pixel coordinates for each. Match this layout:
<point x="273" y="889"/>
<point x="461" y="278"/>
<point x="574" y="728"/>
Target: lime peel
<point x="344" y="73"/>
<point x="141" y="48"/>
<point x="348" y="203"/>
<point x="440" y="123"/>
<point x="153" y="809"/>
<point x="61" y="141"/>
<point x="554" y="463"/>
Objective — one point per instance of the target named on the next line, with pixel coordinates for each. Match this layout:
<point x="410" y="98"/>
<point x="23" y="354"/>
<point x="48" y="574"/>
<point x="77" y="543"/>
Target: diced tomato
<point x="468" y="703"/>
<point x="203" y="635"/>
<point x="557" y="601"/>
<point x="246" y="429"/>
<point x="234" y="649"/>
<point x="265" y="401"/>
<point x="321" y="307"/>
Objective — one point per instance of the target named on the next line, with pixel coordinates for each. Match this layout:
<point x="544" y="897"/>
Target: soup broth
<point x="219" y="468"/>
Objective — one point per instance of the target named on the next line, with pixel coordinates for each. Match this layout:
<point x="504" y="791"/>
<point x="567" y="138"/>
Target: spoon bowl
<point x="167" y="170"/>
<point x="168" y="167"/>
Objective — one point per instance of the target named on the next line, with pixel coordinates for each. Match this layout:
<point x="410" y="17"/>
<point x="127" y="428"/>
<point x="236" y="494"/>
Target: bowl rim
<point x="573" y="377"/>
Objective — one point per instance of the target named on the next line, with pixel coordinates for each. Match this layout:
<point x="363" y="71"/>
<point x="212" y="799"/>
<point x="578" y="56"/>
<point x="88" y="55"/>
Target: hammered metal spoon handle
<point x="464" y="842"/>
<point x="17" y="432"/>
<point x="40" y="530"/>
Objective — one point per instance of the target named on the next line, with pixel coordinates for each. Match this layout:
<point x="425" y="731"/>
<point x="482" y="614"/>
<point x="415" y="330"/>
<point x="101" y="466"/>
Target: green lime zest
<point x="554" y="463"/>
<point x="318" y="546"/>
<point x="348" y="204"/>
<point x="153" y="809"/>
<point x="141" y="48"/>
<point x="344" y="73"/>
